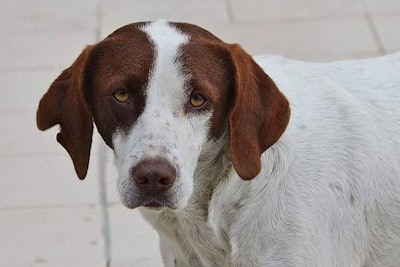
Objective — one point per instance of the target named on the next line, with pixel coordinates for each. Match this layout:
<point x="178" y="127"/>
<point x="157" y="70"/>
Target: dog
<point x="235" y="160"/>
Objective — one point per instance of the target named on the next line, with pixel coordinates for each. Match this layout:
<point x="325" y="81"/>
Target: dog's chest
<point x="193" y="238"/>
<point x="199" y="235"/>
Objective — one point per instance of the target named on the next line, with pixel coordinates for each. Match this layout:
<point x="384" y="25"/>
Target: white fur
<point x="328" y="193"/>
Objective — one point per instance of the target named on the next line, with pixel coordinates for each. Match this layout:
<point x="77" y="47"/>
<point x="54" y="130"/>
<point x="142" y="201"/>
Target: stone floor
<point x="50" y="218"/>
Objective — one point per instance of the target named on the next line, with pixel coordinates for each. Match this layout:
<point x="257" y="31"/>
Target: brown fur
<point x="66" y="104"/>
<point x="259" y="116"/>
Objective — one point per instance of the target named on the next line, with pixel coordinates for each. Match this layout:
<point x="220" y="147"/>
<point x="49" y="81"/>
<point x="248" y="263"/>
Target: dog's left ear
<point x="65" y="103"/>
<point x="259" y="115"/>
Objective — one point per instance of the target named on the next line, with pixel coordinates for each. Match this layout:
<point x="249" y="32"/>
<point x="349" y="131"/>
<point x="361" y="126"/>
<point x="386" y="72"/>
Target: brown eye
<point x="197" y="100"/>
<point x="121" y="95"/>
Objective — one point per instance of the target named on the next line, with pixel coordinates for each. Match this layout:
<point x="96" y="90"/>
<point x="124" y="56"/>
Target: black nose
<point x="154" y="176"/>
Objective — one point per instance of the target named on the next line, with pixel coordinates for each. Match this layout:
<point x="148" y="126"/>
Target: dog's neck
<point x="213" y="167"/>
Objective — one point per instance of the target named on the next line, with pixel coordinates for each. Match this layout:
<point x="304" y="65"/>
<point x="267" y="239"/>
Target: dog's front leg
<point x="167" y="252"/>
<point x="173" y="256"/>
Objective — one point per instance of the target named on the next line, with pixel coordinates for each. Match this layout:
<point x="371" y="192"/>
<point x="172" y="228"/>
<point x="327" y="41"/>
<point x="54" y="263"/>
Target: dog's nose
<point x="153" y="176"/>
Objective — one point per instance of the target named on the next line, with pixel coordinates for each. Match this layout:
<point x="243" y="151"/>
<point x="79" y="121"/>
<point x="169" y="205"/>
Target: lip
<point x="152" y="205"/>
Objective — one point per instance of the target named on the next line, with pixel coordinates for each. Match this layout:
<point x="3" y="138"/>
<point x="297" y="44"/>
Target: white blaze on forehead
<point x="166" y="77"/>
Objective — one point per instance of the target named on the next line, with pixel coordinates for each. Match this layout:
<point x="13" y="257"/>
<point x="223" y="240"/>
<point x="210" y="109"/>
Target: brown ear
<point x="259" y="116"/>
<point x="65" y="104"/>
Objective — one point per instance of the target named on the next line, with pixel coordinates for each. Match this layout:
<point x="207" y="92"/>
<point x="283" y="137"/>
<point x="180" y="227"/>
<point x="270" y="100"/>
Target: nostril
<point x="165" y="181"/>
<point x="143" y="180"/>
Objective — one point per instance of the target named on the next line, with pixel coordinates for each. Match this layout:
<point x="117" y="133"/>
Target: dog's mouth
<point x="158" y="204"/>
<point x="155" y="206"/>
<point x="153" y="203"/>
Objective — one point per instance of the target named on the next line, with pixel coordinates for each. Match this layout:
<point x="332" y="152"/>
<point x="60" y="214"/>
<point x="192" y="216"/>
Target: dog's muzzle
<point x="153" y="178"/>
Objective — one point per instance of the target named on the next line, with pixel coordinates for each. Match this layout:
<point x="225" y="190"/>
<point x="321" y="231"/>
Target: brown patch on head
<point x="84" y="91"/>
<point x="206" y="61"/>
<point x="122" y="61"/>
<point x="239" y="90"/>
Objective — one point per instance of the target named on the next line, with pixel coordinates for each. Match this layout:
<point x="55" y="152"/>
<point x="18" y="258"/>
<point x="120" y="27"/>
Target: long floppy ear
<point x="259" y="116"/>
<point x="65" y="104"/>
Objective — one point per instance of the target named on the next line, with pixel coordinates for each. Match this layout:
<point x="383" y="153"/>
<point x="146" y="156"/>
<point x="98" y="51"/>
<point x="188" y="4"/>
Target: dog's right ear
<point x="259" y="115"/>
<point x="66" y="104"/>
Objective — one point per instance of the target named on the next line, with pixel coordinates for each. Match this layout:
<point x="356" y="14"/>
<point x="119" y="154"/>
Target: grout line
<point x="33" y="155"/>
<point x="103" y="204"/>
<point x="30" y="69"/>
<point x="18" y="110"/>
<point x="99" y="20"/>
<point x="375" y="34"/>
<point x="102" y="163"/>
<point x="373" y="29"/>
<point x="44" y="30"/>
<point x="53" y="206"/>
<point x="229" y="11"/>
<point x="300" y="19"/>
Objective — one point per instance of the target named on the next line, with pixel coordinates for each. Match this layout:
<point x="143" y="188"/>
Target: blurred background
<point x="50" y="218"/>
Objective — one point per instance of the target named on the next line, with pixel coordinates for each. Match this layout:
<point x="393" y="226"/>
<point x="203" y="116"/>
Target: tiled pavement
<point x="50" y="218"/>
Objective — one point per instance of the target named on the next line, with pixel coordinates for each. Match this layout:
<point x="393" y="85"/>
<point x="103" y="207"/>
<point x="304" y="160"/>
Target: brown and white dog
<point x="207" y="146"/>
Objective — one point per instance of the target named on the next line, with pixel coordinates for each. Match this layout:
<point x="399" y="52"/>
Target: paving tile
<point x="35" y="15"/>
<point x="47" y="49"/>
<point x="150" y="262"/>
<point x="388" y="31"/>
<point x="132" y="239"/>
<point x="23" y="89"/>
<point x="83" y="263"/>
<point x="383" y="6"/>
<point x="51" y="237"/>
<point x="302" y="38"/>
<point x="328" y="57"/>
<point x="260" y="10"/>
<point x="116" y="13"/>
<point x="45" y="181"/>
<point x="20" y="137"/>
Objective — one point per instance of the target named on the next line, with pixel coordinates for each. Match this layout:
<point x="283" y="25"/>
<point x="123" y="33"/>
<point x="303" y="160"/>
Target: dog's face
<point x="159" y="93"/>
<point x="159" y="107"/>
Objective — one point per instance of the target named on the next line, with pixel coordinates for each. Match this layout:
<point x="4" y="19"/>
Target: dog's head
<point x="158" y="92"/>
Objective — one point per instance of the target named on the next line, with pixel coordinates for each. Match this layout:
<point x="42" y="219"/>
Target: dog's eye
<point x="121" y="95"/>
<point x="197" y="100"/>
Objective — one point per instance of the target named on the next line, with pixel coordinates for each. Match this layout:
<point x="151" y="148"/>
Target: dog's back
<point x="344" y="137"/>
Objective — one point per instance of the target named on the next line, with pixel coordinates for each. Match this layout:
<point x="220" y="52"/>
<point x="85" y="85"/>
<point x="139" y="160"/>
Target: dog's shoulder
<point x="339" y="147"/>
